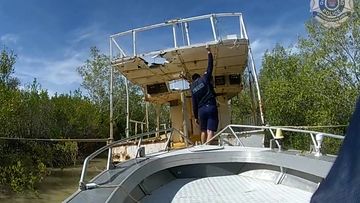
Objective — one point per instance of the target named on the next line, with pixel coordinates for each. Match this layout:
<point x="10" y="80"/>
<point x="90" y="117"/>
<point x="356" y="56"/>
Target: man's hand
<point x="208" y="48"/>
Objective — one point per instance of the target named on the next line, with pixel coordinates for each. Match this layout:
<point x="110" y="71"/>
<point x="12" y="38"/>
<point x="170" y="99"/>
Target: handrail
<point x="317" y="143"/>
<point x="312" y="127"/>
<point x="172" y="23"/>
<point x="109" y="146"/>
<point x="282" y="128"/>
<point x="82" y="184"/>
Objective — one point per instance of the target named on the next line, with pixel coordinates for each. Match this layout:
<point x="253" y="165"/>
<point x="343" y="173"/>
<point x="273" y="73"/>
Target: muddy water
<point x="58" y="186"/>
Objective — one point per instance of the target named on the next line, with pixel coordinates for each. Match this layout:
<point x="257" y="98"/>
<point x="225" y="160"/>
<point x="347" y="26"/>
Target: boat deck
<point x="231" y="173"/>
<point x="232" y="188"/>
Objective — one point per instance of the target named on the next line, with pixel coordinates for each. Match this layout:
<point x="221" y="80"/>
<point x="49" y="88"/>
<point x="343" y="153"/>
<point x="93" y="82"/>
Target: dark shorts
<point x="208" y="117"/>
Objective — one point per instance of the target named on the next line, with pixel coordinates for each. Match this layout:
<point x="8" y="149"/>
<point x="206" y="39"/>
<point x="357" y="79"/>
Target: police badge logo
<point x="331" y="13"/>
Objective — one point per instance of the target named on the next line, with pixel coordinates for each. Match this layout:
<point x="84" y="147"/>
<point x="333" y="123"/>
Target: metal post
<point x="213" y="27"/>
<point x="237" y="138"/>
<point x="117" y="45"/>
<point x="134" y="42"/>
<point x="168" y="140"/>
<point x="185" y="116"/>
<point x="111" y="136"/>
<point x="187" y="33"/>
<point x="157" y="120"/>
<point x="147" y="116"/>
<point x="174" y="34"/>
<point x="313" y="140"/>
<point x="319" y="140"/>
<point x="252" y="97"/>
<point x="138" y="147"/>
<point x="241" y="30"/>
<point x="242" y="25"/>
<point x="257" y="86"/>
<point x="127" y="108"/>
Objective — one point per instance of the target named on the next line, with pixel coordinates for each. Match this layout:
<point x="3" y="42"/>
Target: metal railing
<point x="316" y="137"/>
<point x="83" y="185"/>
<point x="237" y="131"/>
<point x="136" y="123"/>
<point x="173" y="24"/>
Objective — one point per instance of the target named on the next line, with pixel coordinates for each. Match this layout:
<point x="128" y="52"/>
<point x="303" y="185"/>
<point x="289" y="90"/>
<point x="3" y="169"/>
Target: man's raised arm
<point x="209" y="70"/>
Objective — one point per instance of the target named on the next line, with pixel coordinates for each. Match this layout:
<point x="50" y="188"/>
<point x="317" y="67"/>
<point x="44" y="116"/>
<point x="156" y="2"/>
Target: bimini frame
<point x="117" y="52"/>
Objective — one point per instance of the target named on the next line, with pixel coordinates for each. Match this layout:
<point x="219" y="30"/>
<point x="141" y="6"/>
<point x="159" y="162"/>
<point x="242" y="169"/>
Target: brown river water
<point x="59" y="185"/>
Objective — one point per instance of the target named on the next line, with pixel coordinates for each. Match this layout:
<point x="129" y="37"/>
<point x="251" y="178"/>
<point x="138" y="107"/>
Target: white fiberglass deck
<point x="233" y="188"/>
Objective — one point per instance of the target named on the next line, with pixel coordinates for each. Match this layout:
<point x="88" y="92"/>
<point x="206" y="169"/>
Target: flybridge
<point x="161" y="58"/>
<point x="158" y="56"/>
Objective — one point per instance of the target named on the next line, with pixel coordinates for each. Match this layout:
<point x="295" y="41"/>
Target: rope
<point x="53" y="140"/>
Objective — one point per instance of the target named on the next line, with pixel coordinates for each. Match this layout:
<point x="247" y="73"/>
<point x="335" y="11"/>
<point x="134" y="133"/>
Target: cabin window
<point x="156" y="88"/>
<point x="234" y="79"/>
<point x="180" y="84"/>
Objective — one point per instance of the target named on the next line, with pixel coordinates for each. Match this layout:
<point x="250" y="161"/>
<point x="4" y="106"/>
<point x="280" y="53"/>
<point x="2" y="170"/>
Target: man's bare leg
<point x="210" y="134"/>
<point x="203" y="137"/>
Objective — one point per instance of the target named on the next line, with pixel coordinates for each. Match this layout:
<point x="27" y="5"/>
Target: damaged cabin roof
<point x="230" y="58"/>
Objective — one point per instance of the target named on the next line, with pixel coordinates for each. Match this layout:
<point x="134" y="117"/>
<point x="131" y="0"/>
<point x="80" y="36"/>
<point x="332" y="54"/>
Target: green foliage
<point x="65" y="153"/>
<point x="297" y="93"/>
<point x="242" y="108"/>
<point x="96" y="80"/>
<point x="315" y="83"/>
<point x="22" y="173"/>
<point x="96" y="73"/>
<point x="31" y="113"/>
<point x="7" y="61"/>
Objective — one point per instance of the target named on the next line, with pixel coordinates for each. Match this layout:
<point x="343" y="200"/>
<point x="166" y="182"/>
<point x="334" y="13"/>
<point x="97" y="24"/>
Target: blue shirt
<point x="202" y="89"/>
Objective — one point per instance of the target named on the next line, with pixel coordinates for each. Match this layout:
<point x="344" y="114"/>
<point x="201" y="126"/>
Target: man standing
<point x="204" y="101"/>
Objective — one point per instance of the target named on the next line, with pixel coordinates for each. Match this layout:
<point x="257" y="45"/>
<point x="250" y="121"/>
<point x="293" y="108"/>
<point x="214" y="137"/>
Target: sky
<point x="52" y="38"/>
